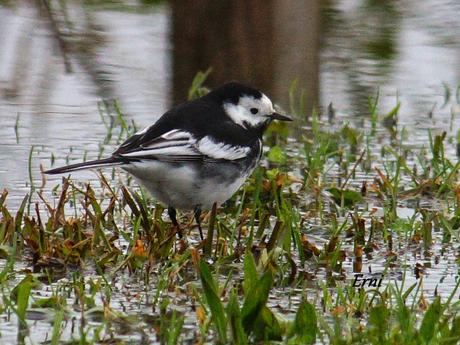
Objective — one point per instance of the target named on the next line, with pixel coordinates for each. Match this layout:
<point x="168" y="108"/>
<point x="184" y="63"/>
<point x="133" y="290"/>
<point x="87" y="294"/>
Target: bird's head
<point x="247" y="107"/>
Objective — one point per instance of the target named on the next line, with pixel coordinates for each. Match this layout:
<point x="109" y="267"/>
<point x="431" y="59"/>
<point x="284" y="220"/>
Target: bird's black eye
<point x="254" y="110"/>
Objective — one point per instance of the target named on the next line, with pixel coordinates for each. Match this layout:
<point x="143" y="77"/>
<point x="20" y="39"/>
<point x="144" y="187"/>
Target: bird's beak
<point x="276" y="116"/>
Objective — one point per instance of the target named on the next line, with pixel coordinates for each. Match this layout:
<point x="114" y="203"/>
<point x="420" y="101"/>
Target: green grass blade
<point x="239" y="337"/>
<point x="255" y="300"/>
<point x="267" y="326"/>
<point x="250" y="272"/>
<point x="22" y="292"/>
<point x="430" y="320"/>
<point x="57" y="327"/>
<point x="306" y="323"/>
<point x="177" y="322"/>
<point x="212" y="298"/>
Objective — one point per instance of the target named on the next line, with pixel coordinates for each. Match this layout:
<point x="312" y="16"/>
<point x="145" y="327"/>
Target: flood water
<point x="50" y="97"/>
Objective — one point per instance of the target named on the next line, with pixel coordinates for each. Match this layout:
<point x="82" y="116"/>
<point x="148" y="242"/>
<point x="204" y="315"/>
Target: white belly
<point x="182" y="187"/>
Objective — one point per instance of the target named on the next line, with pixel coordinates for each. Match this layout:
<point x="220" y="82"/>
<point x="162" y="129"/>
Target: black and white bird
<point x="198" y="153"/>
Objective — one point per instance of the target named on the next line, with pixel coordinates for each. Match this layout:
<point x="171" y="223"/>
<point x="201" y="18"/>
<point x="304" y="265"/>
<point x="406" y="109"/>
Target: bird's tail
<point x="99" y="163"/>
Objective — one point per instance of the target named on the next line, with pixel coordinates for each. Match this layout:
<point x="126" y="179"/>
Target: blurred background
<point x="59" y="59"/>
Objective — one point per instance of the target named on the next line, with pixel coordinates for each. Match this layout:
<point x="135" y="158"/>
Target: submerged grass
<point x="280" y="258"/>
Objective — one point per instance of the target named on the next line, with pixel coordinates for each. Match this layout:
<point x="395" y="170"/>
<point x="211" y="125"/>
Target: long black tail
<point x="99" y="163"/>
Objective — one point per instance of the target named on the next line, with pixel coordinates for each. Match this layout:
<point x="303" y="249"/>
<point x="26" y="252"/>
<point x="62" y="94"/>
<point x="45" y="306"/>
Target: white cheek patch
<point x="208" y="147"/>
<point x="239" y="114"/>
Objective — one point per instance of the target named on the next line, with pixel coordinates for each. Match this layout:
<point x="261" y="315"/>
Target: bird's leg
<point x="197" y="214"/>
<point x="172" y="215"/>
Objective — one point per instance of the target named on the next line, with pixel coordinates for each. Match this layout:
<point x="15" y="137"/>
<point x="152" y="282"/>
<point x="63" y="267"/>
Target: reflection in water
<point x="232" y="37"/>
<point x="398" y="47"/>
<point x="340" y="52"/>
<point x="57" y="111"/>
<point x="366" y="58"/>
<point x="265" y="44"/>
<point x="297" y="39"/>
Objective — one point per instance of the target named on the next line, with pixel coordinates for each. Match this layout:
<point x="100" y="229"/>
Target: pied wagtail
<point x="199" y="152"/>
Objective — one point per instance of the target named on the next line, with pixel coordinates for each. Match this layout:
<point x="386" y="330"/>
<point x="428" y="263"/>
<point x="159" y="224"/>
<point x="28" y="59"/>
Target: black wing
<point x="194" y="130"/>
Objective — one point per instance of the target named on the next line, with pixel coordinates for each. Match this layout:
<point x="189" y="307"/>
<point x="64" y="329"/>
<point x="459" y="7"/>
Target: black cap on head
<point x="231" y="92"/>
